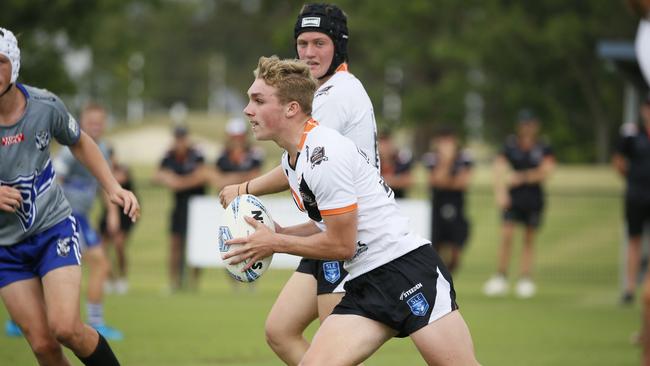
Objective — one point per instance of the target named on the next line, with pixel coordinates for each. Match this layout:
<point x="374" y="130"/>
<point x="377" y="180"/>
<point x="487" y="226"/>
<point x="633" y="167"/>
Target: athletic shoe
<point x="496" y="286"/>
<point x="109" y="333"/>
<point x="12" y="329"/>
<point x="525" y="288"/>
<point x="627" y="298"/>
<point x="120" y="286"/>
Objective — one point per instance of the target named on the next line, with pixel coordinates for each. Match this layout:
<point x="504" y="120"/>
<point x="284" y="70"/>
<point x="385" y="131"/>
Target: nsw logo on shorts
<point x="418" y="304"/>
<point x="331" y="271"/>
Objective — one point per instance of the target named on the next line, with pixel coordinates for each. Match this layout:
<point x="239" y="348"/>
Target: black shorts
<point x="531" y="217"/>
<point x="406" y="294"/>
<point x="329" y="275"/>
<point x="454" y="231"/>
<point x="125" y="223"/>
<point x="637" y="214"/>
<point x="179" y="221"/>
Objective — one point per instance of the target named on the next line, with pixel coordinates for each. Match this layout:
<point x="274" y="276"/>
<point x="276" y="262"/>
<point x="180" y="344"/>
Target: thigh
<point x="446" y="341"/>
<point x="296" y="306"/>
<point x="346" y="340"/>
<point x="26" y="306"/>
<point x="327" y="303"/>
<point x="61" y="289"/>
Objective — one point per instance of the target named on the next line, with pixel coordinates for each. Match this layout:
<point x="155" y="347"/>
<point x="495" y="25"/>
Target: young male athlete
<point x="80" y="188"/>
<point x="340" y="103"/>
<point x="529" y="160"/>
<point x="397" y="284"/>
<point x="40" y="274"/>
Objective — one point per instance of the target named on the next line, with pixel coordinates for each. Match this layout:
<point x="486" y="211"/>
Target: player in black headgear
<point x="328" y="19"/>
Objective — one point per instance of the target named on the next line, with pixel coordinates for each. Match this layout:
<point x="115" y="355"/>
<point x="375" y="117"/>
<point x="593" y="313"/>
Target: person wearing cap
<point x="40" y="273"/>
<point x="181" y="160"/>
<point x="632" y="161"/>
<point x="520" y="170"/>
<point x="340" y="102"/>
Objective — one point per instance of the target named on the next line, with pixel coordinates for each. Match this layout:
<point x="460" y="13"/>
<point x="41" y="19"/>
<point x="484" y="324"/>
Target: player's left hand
<point x="129" y="203"/>
<point x="255" y="247"/>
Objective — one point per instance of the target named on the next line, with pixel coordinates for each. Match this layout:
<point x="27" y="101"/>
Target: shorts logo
<point x="418" y="304"/>
<point x="224" y="236"/>
<point x="331" y="271"/>
<point x="318" y="156"/>
<point x="310" y="22"/>
<point x="42" y="140"/>
<point x="63" y="247"/>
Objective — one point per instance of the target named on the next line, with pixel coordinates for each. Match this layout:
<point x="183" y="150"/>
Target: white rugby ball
<point x="233" y="225"/>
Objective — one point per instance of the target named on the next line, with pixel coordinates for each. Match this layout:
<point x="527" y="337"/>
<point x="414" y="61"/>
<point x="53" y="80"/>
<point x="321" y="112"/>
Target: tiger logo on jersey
<point x="317" y="156"/>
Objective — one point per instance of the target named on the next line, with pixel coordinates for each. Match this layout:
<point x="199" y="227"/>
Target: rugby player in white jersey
<point x="397" y="285"/>
<point x="40" y="276"/>
<point x="340" y="103"/>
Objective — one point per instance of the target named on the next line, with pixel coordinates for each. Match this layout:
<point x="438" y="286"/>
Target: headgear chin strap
<point x="330" y="20"/>
<point x="9" y="48"/>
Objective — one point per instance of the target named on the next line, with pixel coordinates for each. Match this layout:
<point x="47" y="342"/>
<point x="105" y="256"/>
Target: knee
<point x="44" y="346"/>
<point x="277" y="335"/>
<point x="66" y="333"/>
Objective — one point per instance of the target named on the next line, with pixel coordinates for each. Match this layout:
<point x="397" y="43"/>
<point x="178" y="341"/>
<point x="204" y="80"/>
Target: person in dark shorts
<point x="117" y="281"/>
<point x="632" y="161"/>
<point x="396" y="164"/>
<point x="182" y="159"/>
<point x="526" y="162"/>
<point x="397" y="285"/>
<point x="450" y="170"/>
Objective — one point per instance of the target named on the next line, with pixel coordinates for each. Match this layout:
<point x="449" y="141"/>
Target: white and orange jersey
<point x="332" y="176"/>
<point x="342" y="103"/>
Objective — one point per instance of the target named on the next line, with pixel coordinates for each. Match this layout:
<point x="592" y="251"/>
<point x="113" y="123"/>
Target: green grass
<point x="574" y="320"/>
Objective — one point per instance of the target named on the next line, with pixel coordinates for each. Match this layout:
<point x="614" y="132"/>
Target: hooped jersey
<point x="332" y="176"/>
<point x="25" y="164"/>
<point x="342" y="103"/>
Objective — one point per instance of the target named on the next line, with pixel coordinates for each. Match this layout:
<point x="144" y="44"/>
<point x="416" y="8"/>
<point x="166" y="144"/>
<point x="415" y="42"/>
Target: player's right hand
<point x="10" y="199"/>
<point x="228" y="193"/>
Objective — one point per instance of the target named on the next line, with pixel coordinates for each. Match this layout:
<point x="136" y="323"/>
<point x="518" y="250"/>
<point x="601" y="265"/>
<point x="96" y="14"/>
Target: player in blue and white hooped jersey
<point x="80" y="188"/>
<point x="40" y="275"/>
<point x="397" y="285"/>
<point x="341" y="103"/>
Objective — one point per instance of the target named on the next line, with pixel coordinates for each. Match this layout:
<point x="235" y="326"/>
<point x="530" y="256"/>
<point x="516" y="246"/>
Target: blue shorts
<point x="89" y="237"/>
<point x="35" y="256"/>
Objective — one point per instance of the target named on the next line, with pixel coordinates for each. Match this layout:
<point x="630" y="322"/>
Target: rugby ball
<point x="233" y="225"/>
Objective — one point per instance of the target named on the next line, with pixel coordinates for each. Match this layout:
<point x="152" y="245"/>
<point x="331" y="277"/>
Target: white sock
<point x="95" y="314"/>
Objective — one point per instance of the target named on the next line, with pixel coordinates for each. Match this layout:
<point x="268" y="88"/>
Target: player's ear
<point x="292" y="109"/>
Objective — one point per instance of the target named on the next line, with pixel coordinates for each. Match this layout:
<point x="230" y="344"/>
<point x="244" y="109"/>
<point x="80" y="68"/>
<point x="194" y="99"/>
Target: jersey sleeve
<point x="330" y="177"/>
<point x="65" y="127"/>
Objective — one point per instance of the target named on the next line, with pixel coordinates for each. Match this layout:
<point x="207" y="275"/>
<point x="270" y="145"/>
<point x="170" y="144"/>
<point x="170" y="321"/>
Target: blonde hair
<point x="291" y="78"/>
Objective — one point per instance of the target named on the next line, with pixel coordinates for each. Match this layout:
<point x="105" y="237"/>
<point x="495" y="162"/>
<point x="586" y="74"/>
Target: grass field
<point x="574" y="320"/>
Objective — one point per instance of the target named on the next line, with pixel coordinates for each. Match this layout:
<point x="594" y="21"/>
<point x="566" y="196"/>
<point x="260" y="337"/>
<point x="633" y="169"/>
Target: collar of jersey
<point x="342" y="67"/>
<point x="309" y="125"/>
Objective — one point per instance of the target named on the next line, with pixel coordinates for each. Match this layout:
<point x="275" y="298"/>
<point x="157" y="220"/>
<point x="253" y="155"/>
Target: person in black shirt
<point x="632" y="161"/>
<point x="117" y="281"/>
<point x="520" y="170"/>
<point x="181" y="159"/>
<point x="395" y="165"/>
<point x="449" y="176"/>
<point x="239" y="161"/>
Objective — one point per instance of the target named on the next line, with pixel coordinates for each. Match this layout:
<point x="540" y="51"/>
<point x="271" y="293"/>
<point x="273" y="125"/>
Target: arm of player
<point x="337" y="242"/>
<point x="620" y="164"/>
<point x="539" y="174"/>
<point x="273" y="181"/>
<point x="87" y="152"/>
<point x="10" y="199"/>
<point x="500" y="190"/>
